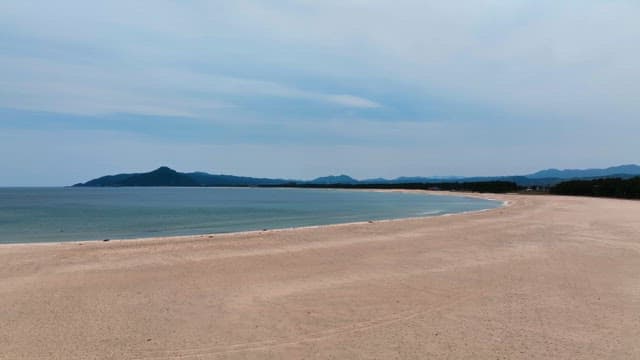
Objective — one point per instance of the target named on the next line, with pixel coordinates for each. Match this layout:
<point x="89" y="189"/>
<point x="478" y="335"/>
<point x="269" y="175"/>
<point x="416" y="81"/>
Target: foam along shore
<point x="545" y="277"/>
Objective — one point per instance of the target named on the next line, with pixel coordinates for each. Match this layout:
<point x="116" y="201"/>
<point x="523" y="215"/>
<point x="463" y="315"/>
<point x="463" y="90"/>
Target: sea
<point x="32" y="215"/>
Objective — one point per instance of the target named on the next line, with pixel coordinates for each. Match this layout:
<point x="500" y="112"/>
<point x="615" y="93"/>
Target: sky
<point x="301" y="89"/>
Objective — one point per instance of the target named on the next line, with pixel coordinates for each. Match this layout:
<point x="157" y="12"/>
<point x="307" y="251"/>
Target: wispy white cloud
<point x="38" y="84"/>
<point x="353" y="101"/>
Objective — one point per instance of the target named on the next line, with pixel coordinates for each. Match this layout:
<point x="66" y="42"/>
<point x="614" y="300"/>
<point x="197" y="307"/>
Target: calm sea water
<point x="70" y="214"/>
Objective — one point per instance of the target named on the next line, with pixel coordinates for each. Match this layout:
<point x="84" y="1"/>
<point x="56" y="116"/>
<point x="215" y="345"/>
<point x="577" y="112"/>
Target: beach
<point x="543" y="277"/>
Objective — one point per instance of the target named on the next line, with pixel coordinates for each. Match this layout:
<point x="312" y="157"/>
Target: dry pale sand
<point x="546" y="278"/>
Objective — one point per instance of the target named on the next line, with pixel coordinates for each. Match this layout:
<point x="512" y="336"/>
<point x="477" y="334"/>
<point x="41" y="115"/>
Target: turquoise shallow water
<point x="70" y="214"/>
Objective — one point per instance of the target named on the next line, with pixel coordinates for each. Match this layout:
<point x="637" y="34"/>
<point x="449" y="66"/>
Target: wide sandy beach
<point x="546" y="277"/>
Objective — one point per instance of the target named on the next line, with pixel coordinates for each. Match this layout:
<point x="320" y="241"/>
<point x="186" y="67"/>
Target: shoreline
<point x="505" y="203"/>
<point x="545" y="277"/>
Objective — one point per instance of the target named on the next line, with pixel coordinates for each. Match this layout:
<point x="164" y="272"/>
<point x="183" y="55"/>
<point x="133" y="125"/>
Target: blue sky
<point x="300" y="89"/>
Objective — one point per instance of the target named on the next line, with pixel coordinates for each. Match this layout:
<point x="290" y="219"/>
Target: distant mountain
<point x="162" y="176"/>
<point x="205" y="179"/>
<point x="374" y="181"/>
<point x="109" y="180"/>
<point x="333" y="179"/>
<point x="586" y="173"/>
<point x="165" y="176"/>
